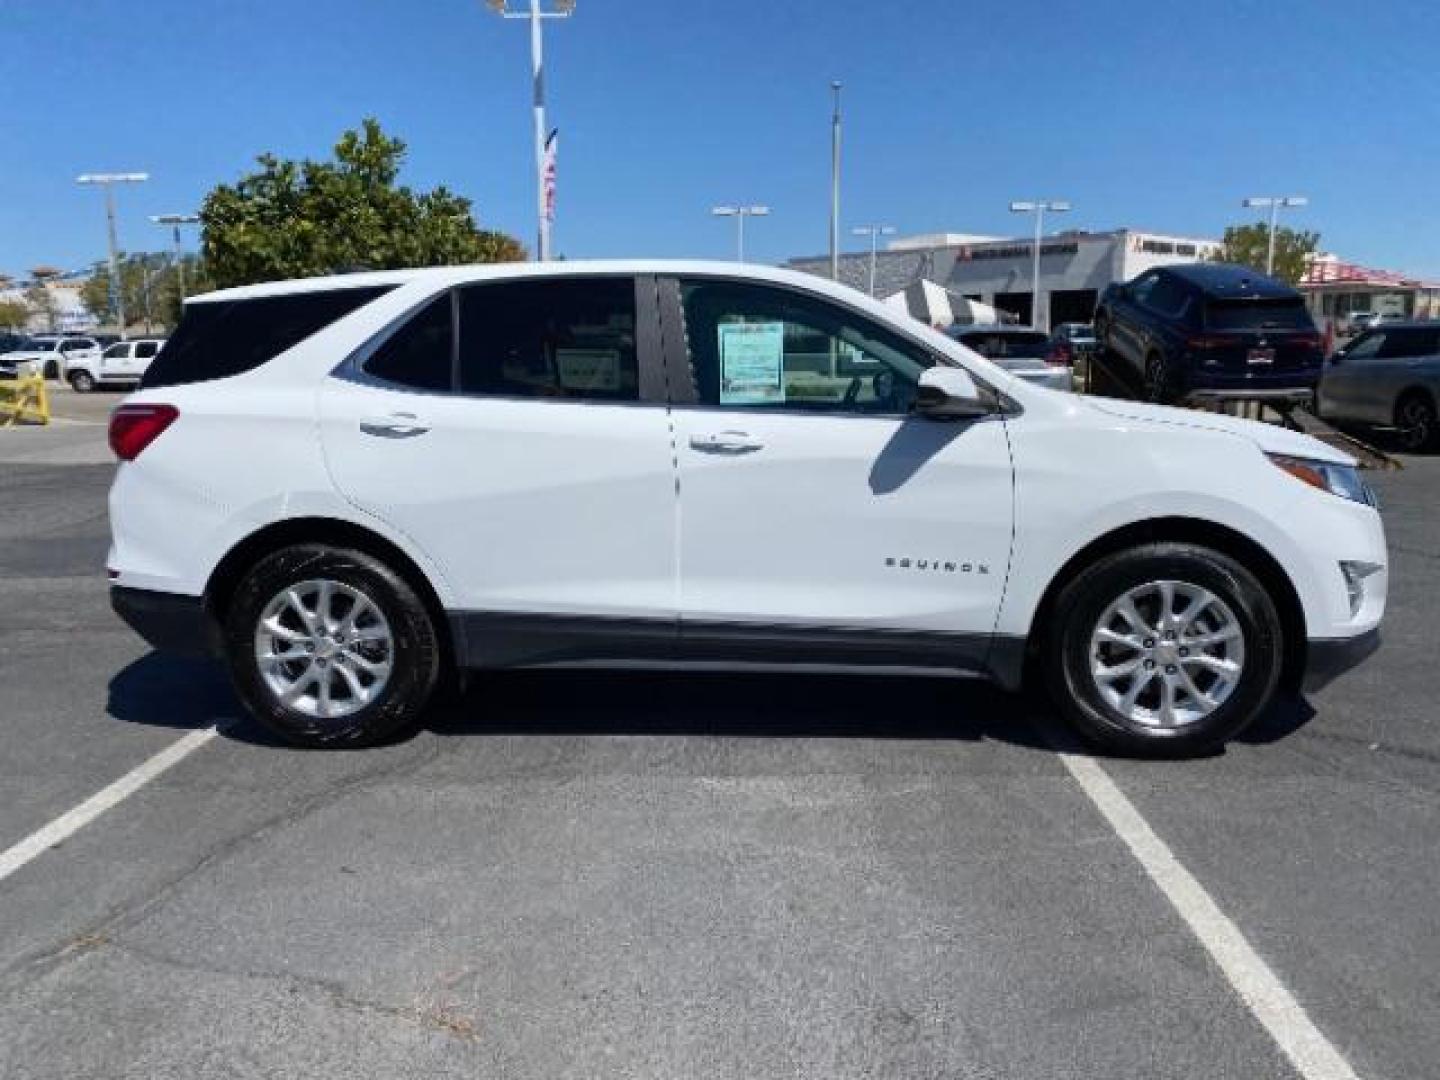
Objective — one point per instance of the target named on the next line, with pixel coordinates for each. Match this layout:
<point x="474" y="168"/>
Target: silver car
<point x="1020" y="350"/>
<point x="1387" y="377"/>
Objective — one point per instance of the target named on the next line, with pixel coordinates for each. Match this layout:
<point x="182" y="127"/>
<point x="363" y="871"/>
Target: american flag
<point x="551" y="145"/>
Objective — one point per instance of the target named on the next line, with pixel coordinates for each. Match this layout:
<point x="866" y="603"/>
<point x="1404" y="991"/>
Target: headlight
<point x="1342" y="480"/>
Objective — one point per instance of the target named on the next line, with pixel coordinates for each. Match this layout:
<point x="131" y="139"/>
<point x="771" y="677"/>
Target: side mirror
<point x="949" y="393"/>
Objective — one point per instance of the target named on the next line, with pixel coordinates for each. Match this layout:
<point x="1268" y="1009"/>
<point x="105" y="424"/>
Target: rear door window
<point x="419" y="355"/>
<point x="1277" y="314"/>
<point x="218" y="339"/>
<point x="1168" y="298"/>
<point x="563" y="338"/>
<point x="146" y="350"/>
<point x="1407" y="342"/>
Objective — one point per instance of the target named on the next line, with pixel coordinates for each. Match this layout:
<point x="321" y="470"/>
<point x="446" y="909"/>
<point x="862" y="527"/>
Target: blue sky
<point x="1158" y="115"/>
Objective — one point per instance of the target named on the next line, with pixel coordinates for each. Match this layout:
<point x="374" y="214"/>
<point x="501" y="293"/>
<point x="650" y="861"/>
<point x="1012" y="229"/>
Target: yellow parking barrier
<point x="25" y="401"/>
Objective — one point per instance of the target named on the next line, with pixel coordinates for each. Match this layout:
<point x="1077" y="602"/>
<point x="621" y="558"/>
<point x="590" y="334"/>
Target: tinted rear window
<point x="1258" y="315"/>
<point x="217" y="340"/>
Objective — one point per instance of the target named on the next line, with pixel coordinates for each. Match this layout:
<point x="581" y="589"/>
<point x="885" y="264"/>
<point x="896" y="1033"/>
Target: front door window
<point x="754" y="347"/>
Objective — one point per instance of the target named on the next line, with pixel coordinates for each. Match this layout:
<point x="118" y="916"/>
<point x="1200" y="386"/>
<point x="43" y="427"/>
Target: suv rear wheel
<point x="1168" y="648"/>
<point x="330" y="647"/>
<point x="1415" y="420"/>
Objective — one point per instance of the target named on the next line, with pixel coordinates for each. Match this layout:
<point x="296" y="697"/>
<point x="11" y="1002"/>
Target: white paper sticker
<point x="752" y="360"/>
<point x="588" y="369"/>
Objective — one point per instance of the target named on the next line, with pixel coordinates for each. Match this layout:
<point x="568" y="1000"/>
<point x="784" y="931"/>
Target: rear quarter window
<point x="218" y="339"/>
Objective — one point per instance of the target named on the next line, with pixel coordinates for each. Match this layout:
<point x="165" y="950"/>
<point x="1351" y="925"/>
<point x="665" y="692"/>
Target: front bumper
<point x="170" y="622"/>
<point x="1328" y="658"/>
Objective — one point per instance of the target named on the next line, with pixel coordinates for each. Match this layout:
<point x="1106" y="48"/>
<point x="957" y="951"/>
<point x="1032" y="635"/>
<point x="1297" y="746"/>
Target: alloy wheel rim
<point x="1167" y="654"/>
<point x="1415" y="422"/>
<point x="324" y="649"/>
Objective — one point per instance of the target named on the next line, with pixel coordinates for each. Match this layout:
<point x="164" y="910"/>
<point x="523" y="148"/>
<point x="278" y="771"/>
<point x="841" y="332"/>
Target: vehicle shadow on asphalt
<point x="740" y="705"/>
<point x="158" y="690"/>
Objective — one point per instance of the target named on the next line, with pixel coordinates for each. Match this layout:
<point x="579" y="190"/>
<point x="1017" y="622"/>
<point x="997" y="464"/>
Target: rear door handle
<point x="726" y="442"/>
<point x="394" y="426"/>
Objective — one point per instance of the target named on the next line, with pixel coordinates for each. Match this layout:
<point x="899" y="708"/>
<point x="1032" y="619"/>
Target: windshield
<point x="1281" y="314"/>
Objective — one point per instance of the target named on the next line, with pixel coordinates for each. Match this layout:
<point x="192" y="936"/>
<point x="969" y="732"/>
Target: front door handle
<point x="726" y="442"/>
<point x="394" y="426"/>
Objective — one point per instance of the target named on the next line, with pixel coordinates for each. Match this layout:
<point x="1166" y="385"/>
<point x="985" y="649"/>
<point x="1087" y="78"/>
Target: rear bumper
<point x="1297" y="395"/>
<point x="1329" y="658"/>
<point x="170" y="622"/>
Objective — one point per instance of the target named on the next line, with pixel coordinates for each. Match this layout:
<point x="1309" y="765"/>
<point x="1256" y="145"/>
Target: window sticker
<point x="752" y="358"/>
<point x="588" y="369"/>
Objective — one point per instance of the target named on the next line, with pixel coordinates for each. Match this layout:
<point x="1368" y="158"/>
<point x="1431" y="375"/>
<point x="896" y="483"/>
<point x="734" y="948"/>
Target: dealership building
<point x="1074" y="267"/>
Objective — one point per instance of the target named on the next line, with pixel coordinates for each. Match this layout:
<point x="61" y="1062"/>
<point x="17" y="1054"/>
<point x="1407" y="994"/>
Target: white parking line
<point x="72" y="821"/>
<point x="1259" y="988"/>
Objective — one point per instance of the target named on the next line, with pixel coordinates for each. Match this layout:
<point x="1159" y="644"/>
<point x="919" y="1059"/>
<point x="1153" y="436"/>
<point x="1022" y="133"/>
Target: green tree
<point x="41" y="301"/>
<point x="150" y="285"/>
<point x="301" y="218"/>
<point x="1246" y="245"/>
<point x="13" y="315"/>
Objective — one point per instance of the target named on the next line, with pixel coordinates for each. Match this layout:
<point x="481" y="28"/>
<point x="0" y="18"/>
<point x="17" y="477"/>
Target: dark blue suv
<point x="1211" y="330"/>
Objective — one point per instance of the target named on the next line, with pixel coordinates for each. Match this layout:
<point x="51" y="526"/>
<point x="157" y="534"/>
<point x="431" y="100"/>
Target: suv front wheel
<point x="1161" y="384"/>
<point x="1169" y="648"/>
<point x="330" y="647"/>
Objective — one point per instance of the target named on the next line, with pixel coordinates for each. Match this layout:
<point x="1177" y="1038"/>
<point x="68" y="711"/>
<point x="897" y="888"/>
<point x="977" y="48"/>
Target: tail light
<point x="1059" y="355"/>
<point x="1307" y="341"/>
<point x="134" y="427"/>
<point x="1210" y="341"/>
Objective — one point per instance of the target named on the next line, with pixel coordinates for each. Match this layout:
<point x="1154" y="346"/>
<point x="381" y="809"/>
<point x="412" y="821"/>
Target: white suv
<point x="121" y="364"/>
<point x="354" y="487"/>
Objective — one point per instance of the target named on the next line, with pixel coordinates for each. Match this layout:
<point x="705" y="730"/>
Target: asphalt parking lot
<point x="592" y="873"/>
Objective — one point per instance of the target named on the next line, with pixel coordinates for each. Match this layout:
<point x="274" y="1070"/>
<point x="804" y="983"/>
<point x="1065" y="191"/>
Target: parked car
<point x="122" y="364"/>
<point x="1387" y="377"/>
<point x="347" y="486"/>
<point x="1211" y="330"/>
<point x="48" y="354"/>
<point x="1023" y="352"/>
<point x="1071" y="343"/>
<point x="1357" y="322"/>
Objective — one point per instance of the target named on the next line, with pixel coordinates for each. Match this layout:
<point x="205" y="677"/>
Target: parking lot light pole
<point x="562" y="9"/>
<point x="1273" y="203"/>
<point x="835" y="88"/>
<point x="1038" y="207"/>
<point x="740" y="213"/>
<point x="874" y="232"/>
<point x="108" y="182"/>
<point x="175" y="221"/>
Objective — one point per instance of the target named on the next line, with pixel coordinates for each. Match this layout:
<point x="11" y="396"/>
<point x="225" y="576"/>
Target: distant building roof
<point x="944" y="239"/>
<point x="1328" y="270"/>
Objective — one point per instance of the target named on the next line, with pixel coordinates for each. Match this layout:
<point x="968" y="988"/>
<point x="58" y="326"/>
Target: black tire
<point x="1415" y="421"/>
<point x="82" y="382"/>
<point x="1162" y="387"/>
<point x="414" y="655"/>
<point x="1078" y="609"/>
<point x="51" y="369"/>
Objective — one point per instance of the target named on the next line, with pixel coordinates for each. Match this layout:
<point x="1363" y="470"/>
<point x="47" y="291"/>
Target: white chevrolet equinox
<point x="354" y="488"/>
